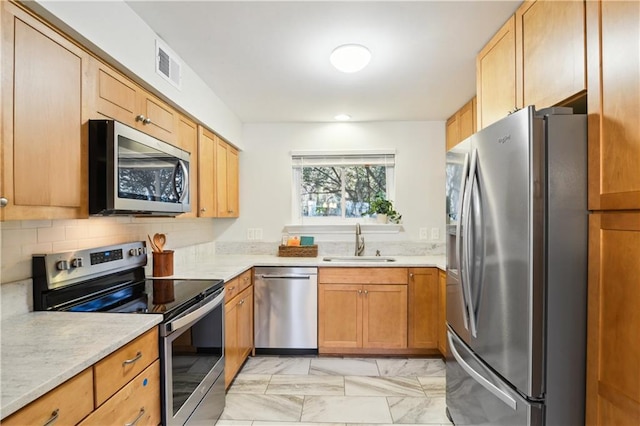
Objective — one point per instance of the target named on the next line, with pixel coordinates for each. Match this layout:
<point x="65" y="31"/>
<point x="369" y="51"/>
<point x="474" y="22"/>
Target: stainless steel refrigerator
<point x="517" y="271"/>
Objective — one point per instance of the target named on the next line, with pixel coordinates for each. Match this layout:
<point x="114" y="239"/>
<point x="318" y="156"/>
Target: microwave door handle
<point x="185" y="180"/>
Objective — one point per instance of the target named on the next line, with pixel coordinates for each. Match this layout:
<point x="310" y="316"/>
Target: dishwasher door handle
<point x="285" y="277"/>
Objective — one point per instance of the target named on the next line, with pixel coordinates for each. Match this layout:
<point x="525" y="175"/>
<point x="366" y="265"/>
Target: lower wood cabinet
<point x="122" y="388"/>
<point x="423" y="308"/>
<point x="238" y="326"/>
<point x="442" y="312"/>
<point x="362" y="310"/>
<point x="613" y="339"/>
<point x="138" y="403"/>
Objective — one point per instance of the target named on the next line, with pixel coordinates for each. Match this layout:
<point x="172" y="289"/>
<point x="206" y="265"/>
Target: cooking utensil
<point x="154" y="248"/>
<point x="159" y="240"/>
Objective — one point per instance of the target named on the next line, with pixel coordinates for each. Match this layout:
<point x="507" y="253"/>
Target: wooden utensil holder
<point x="163" y="263"/>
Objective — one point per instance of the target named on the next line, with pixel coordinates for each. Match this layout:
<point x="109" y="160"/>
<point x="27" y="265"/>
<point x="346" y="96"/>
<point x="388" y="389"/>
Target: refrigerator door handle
<point x="466" y="250"/>
<point x="463" y="192"/>
<point x="478" y="377"/>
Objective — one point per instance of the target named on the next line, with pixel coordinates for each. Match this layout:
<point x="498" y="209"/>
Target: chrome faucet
<point x="359" y="241"/>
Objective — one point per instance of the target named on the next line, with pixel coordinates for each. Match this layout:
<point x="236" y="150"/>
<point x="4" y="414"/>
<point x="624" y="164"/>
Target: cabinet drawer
<point x="114" y="371"/>
<point x="231" y="289"/>
<point x="244" y="280"/>
<point x="139" y="398"/>
<point x="362" y="275"/>
<point x="72" y="401"/>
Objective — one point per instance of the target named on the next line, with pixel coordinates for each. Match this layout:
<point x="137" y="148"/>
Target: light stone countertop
<point x="41" y="350"/>
<point x="228" y="266"/>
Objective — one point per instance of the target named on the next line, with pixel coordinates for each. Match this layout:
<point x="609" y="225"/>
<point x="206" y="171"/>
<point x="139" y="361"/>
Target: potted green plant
<point x="383" y="209"/>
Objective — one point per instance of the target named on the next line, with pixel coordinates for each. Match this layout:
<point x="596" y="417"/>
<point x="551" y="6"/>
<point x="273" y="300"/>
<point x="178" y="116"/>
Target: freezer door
<point x="504" y="212"/>
<point x="477" y="396"/>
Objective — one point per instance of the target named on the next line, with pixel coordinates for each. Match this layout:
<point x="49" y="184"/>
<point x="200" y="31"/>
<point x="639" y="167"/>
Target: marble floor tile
<point x="233" y="423"/>
<point x="263" y="407"/>
<point x="382" y="386"/>
<point x="250" y="383"/>
<point x="352" y="409"/>
<point x="402" y="367"/>
<point x="344" y="367"/>
<point x="434" y="386"/>
<point x="413" y="410"/>
<point x="306" y="385"/>
<point x="277" y="365"/>
<point x="258" y="423"/>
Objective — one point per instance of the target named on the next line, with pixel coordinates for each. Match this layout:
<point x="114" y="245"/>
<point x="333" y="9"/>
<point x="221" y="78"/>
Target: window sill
<point x="368" y="228"/>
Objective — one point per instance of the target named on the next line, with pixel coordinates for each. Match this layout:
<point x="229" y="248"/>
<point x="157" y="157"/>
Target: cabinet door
<point x="206" y="173"/>
<point x="226" y="179"/>
<point x="452" y="131"/>
<point x="188" y="140"/>
<point x="467" y="119"/>
<point x="442" y="312"/>
<point x="496" y="76"/>
<point x="231" y="344"/>
<point x="339" y="316"/>
<point x="613" y="343"/>
<point x="161" y="121"/>
<point x="423" y="308"/>
<point x="44" y="147"/>
<point x="613" y="52"/>
<point x="384" y="316"/>
<point x="112" y="94"/>
<point x="551" y="51"/>
<point x="245" y="323"/>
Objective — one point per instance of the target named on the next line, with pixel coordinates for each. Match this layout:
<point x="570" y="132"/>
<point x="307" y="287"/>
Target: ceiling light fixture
<point x="342" y="117"/>
<point x="350" y="57"/>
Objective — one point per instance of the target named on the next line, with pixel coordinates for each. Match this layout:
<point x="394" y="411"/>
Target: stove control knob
<point x="62" y="265"/>
<point x="133" y="252"/>
<point x="77" y="262"/>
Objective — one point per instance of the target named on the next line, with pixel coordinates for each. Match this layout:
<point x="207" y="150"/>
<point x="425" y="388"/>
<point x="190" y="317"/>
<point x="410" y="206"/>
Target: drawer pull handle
<point x="53" y="418"/>
<point x="137" y="419"/>
<point x="132" y="360"/>
<point x="232" y="288"/>
<point x="241" y="302"/>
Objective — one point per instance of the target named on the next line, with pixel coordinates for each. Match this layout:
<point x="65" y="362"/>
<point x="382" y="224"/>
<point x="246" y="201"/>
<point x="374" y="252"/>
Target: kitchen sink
<point x="358" y="259"/>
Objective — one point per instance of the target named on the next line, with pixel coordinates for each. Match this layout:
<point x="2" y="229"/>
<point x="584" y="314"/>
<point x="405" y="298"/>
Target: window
<point x="335" y="187"/>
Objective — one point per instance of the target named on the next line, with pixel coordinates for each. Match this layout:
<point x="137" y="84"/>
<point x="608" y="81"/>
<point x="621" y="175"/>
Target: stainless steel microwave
<point x="132" y="173"/>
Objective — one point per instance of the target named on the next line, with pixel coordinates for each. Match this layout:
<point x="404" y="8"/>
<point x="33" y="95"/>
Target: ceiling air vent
<point x="168" y="64"/>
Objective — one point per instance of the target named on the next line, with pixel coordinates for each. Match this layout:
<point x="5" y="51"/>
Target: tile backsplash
<point x="22" y="239"/>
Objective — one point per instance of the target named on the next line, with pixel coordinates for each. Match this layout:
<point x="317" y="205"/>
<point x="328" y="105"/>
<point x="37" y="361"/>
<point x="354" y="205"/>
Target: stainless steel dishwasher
<point x="286" y="310"/>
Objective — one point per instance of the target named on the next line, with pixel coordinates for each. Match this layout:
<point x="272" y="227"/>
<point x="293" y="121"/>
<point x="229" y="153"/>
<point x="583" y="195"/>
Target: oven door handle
<point x="195" y="315"/>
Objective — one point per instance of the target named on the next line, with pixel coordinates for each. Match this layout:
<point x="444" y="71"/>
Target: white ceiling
<point x="269" y="61"/>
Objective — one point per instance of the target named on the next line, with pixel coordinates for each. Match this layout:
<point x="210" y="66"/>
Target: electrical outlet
<point x="424" y="233"/>
<point x="257" y="234"/>
<point x="435" y="234"/>
<point x="251" y="234"/>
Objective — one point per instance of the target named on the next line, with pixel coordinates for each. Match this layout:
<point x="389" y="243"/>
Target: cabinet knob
<point x="141" y="118"/>
<point x="366" y="292"/>
<point x="411" y="275"/>
<point x="204" y="209"/>
<point x="359" y="291"/>
<point x="3" y="202"/>
<point x="146" y="121"/>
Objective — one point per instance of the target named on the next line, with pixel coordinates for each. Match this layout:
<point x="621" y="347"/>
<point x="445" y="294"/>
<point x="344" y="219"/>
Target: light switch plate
<point x="424" y="233"/>
<point x="435" y="234"/>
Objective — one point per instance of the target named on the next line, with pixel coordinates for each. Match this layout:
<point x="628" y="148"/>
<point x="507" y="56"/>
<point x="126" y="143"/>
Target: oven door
<point x="193" y="363"/>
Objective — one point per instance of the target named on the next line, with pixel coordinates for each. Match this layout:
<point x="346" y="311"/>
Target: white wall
<point x="265" y="172"/>
<point x="116" y="30"/>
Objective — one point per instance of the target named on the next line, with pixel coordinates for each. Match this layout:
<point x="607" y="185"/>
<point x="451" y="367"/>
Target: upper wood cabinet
<point x="227" y="180"/>
<point x="550" y="51"/>
<point x="188" y="141"/>
<point x="115" y="96"/>
<point x="496" y="76"/>
<point x="613" y="343"/>
<point x="613" y="52"/>
<point x="462" y="124"/>
<point x="44" y="146"/>
<point x="206" y="173"/>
